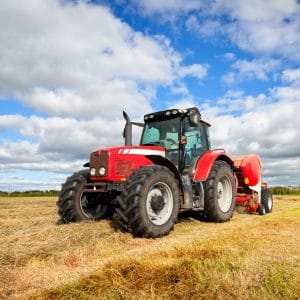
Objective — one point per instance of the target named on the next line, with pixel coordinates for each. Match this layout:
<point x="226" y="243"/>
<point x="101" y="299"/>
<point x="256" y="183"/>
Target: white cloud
<point x="18" y="152"/>
<point x="204" y="27"/>
<point x="180" y="89"/>
<point x="196" y="70"/>
<point x="259" y="69"/>
<point x="264" y="26"/>
<point x="260" y="27"/>
<point x="229" y="78"/>
<point x="106" y="100"/>
<point x="185" y="102"/>
<point x="27" y="156"/>
<point x="11" y="121"/>
<point x="70" y="138"/>
<point x="291" y="76"/>
<point x="288" y="93"/>
<point x="229" y="56"/>
<point x="278" y="171"/>
<point x="67" y="59"/>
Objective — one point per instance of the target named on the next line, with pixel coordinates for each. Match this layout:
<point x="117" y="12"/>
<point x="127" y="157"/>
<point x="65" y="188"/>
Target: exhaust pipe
<point x="127" y="133"/>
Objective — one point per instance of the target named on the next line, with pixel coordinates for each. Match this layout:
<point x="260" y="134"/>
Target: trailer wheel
<point x="267" y="200"/>
<point x="261" y="209"/>
<point x="219" y="193"/>
<point x="74" y="205"/>
<point x="150" y="202"/>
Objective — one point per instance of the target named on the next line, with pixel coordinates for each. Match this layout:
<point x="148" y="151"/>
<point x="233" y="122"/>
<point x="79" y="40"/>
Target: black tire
<point x="267" y="200"/>
<point x="261" y="209"/>
<point x="149" y="203"/>
<point x="74" y="205"/>
<point x="120" y="216"/>
<point x="219" y="193"/>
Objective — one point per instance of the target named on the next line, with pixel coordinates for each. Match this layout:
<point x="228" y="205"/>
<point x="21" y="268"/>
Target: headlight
<point x="93" y="171"/>
<point x="102" y="171"/>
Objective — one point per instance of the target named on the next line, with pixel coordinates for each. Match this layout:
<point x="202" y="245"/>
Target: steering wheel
<point x="171" y="141"/>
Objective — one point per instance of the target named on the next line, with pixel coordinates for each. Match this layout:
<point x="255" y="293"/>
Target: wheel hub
<point x="157" y="203"/>
<point x="224" y="193"/>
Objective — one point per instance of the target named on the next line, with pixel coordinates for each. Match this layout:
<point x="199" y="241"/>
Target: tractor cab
<point x="182" y="133"/>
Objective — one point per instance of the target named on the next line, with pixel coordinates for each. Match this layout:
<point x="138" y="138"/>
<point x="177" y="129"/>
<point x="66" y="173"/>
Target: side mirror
<point x="194" y="119"/>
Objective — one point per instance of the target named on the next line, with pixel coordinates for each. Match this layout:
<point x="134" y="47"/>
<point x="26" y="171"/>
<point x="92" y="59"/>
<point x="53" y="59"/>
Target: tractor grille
<point x="98" y="161"/>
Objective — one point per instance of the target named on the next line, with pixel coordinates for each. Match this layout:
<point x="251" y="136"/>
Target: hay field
<point x="250" y="257"/>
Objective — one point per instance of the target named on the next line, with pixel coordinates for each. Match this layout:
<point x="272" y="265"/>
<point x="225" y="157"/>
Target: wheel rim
<point x="159" y="203"/>
<point x="270" y="203"/>
<point x="91" y="209"/>
<point x="224" y="194"/>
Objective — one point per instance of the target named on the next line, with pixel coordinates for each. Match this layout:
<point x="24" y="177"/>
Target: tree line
<point x="32" y="193"/>
<point x="276" y="190"/>
<point x="281" y="190"/>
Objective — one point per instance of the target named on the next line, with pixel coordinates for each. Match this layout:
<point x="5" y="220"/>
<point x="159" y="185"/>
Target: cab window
<point x="196" y="142"/>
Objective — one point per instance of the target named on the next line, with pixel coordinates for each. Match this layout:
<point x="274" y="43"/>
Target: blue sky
<point x="69" y="68"/>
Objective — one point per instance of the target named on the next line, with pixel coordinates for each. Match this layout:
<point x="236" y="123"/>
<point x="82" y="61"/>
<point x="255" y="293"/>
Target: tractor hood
<point x="116" y="164"/>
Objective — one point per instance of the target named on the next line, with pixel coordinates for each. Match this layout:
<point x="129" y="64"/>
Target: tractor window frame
<point x="170" y="128"/>
<point x="195" y="145"/>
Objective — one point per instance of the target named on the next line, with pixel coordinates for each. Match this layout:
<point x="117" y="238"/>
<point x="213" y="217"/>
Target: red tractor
<point x="172" y="170"/>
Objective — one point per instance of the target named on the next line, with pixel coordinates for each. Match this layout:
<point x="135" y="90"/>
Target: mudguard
<point x="206" y="161"/>
<point x="163" y="161"/>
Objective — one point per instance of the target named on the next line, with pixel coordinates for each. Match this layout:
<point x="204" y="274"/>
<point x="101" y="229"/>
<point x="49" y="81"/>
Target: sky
<point x="69" y="68"/>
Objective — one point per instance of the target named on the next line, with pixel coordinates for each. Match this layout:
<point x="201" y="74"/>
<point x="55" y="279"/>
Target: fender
<point x="206" y="161"/>
<point x="160" y="160"/>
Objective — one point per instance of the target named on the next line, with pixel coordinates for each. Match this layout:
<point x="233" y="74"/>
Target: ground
<point x="250" y="257"/>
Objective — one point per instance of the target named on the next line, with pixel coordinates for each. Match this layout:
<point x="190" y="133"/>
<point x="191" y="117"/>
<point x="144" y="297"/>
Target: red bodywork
<point x="121" y="161"/>
<point x="206" y="161"/>
<point x="247" y="170"/>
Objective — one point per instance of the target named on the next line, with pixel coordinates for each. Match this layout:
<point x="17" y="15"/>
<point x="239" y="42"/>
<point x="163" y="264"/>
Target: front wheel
<point x="219" y="193"/>
<point x="150" y="202"/>
<point x="75" y="205"/>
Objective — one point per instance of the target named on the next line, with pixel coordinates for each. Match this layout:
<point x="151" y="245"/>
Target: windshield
<point x="163" y="133"/>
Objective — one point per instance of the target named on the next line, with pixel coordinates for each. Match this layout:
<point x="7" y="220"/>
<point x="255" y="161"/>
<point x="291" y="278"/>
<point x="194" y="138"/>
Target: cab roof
<point x="172" y="113"/>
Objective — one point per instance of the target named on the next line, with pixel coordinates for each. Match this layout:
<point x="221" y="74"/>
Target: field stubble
<point x="250" y="257"/>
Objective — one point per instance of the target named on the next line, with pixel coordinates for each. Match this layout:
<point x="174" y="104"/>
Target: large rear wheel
<point x="75" y="205"/>
<point x="149" y="203"/>
<point x="219" y="193"/>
